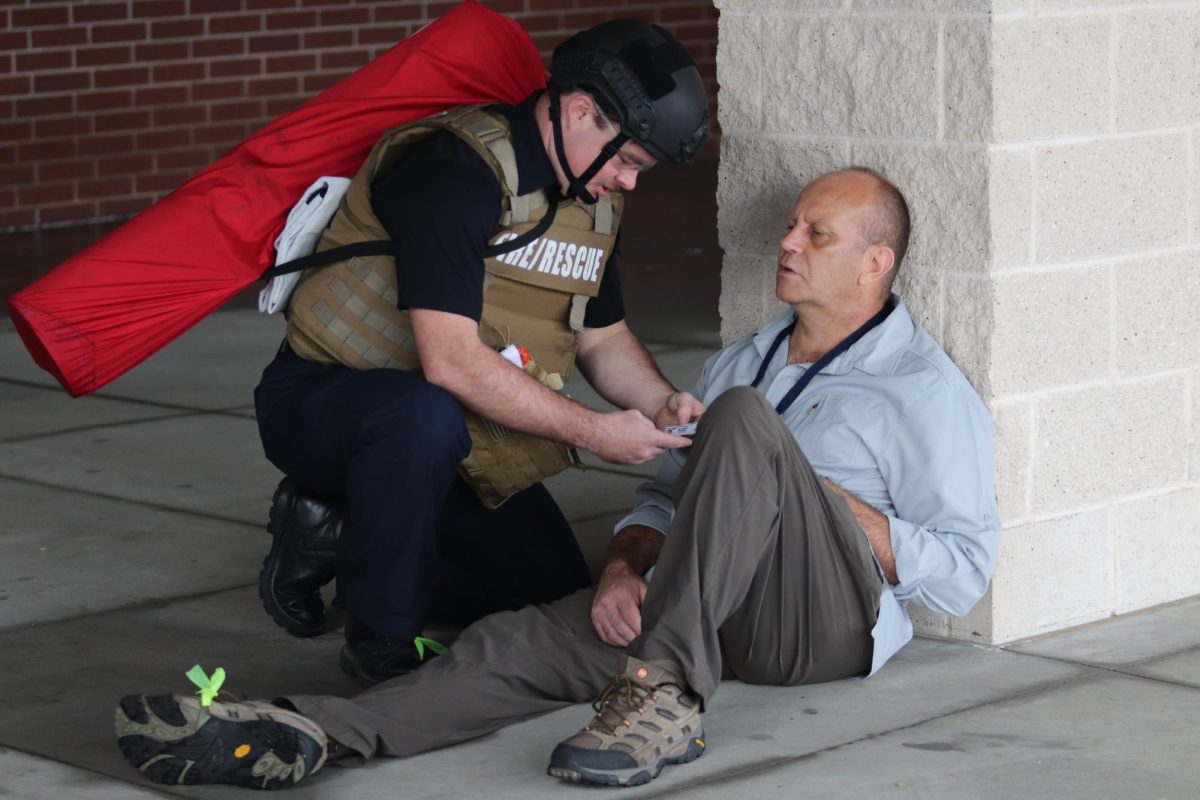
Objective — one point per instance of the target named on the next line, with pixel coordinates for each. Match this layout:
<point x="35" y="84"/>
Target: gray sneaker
<point x="173" y="739"/>
<point x="645" y="719"/>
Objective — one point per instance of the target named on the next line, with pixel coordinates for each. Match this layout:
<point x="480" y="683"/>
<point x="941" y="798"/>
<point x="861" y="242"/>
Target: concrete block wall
<point x="1050" y="150"/>
<point x="1095" y="348"/>
<point x="810" y="85"/>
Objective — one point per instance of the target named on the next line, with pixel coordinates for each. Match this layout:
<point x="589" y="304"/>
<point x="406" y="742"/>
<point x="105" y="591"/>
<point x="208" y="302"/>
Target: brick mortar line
<point x="49" y="226"/>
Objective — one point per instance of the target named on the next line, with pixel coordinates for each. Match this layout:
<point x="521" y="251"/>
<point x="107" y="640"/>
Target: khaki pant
<point x="765" y="576"/>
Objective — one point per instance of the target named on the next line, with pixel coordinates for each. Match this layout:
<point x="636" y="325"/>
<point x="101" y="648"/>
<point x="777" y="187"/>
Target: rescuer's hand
<point x="628" y="437"/>
<point x="679" y="407"/>
<point x="617" y="606"/>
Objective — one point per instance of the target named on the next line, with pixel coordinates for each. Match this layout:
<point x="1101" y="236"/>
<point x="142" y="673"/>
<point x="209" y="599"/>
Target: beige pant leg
<point x="503" y="668"/>
<point x="761" y="562"/>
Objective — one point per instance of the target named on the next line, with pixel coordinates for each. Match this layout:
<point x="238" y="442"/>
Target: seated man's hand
<point x="679" y="408"/>
<point x="617" y="607"/>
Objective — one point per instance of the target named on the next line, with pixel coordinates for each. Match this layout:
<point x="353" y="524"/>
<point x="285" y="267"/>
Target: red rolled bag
<point x="110" y="307"/>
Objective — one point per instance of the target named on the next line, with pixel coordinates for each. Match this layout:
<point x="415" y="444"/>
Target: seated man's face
<point x="822" y="253"/>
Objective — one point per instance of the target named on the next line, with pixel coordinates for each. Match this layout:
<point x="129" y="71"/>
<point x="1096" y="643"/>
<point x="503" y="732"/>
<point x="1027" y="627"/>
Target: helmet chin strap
<point x="577" y="187"/>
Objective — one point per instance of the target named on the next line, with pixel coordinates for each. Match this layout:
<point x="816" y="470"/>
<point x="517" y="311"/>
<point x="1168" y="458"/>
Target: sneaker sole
<point x="634" y="776"/>
<point x="266" y="577"/>
<point x="172" y="739"/>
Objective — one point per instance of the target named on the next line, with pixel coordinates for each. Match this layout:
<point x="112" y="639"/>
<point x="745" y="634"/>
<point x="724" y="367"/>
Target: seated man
<point x="844" y="468"/>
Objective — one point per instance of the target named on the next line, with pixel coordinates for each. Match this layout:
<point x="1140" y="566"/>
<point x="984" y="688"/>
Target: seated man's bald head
<point x="888" y="224"/>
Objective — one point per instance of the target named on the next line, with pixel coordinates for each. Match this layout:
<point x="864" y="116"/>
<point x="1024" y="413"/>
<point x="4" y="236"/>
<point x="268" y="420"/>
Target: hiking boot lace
<point x="624" y="689"/>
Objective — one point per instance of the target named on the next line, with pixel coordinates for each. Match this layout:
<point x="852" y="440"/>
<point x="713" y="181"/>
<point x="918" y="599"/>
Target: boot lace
<point x="621" y="697"/>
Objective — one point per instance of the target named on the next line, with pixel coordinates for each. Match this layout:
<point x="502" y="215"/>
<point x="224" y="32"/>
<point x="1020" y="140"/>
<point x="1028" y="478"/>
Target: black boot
<point x="304" y="531"/>
<point x="370" y="659"/>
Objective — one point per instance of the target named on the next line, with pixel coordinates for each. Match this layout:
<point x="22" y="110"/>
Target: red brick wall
<point x="107" y="105"/>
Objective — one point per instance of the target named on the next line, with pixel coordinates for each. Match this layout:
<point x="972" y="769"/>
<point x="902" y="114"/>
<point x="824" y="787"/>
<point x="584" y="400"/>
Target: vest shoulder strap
<point x="603" y="215"/>
<point x="492" y="133"/>
<point x="488" y="134"/>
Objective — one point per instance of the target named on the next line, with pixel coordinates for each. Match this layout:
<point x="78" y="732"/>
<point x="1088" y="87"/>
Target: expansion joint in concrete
<point x="1126" y="670"/>
<point x="103" y="395"/>
<point x="133" y="502"/>
<point x="144" y="605"/>
<point x="100" y="426"/>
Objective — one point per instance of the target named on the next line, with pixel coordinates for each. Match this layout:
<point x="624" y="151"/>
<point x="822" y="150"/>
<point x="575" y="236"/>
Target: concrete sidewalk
<point x="132" y="536"/>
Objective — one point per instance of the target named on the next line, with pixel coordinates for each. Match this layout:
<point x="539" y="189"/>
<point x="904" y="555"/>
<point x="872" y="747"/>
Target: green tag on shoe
<point x="208" y="686"/>
<point x="436" y="647"/>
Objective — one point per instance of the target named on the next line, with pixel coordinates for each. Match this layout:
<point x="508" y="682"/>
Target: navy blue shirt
<point x="441" y="203"/>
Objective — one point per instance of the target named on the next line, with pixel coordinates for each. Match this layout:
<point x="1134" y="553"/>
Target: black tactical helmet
<point x="647" y="77"/>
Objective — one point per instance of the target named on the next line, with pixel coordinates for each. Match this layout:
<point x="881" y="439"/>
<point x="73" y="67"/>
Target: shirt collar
<point x="876" y="353"/>
<point x="880" y="350"/>
<point x="534" y="168"/>
<point x="766" y="335"/>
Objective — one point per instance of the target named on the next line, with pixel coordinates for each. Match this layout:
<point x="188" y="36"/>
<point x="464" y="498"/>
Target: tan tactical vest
<point x="533" y="296"/>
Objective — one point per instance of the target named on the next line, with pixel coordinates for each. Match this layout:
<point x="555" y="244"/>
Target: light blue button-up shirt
<point x="895" y="423"/>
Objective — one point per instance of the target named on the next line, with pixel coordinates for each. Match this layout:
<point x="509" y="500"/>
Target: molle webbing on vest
<point x="503" y="462"/>
<point x="535" y="292"/>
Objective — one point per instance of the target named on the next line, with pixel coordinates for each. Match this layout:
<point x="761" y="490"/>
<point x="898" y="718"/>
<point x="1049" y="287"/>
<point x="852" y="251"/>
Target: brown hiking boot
<point x="645" y="718"/>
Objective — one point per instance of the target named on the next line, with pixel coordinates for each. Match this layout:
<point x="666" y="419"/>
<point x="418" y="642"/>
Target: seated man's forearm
<point x="634" y="548"/>
<point x="617" y="605"/>
<point x="875" y="526"/>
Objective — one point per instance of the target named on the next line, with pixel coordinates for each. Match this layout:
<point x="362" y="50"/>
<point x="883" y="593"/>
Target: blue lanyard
<point x="822" y="362"/>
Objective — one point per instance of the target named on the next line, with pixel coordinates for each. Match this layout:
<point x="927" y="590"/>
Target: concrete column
<point x="1050" y="151"/>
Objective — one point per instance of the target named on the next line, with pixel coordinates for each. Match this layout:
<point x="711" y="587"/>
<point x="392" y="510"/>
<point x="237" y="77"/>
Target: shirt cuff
<point x="650" y="516"/>
<point x="909" y="568"/>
